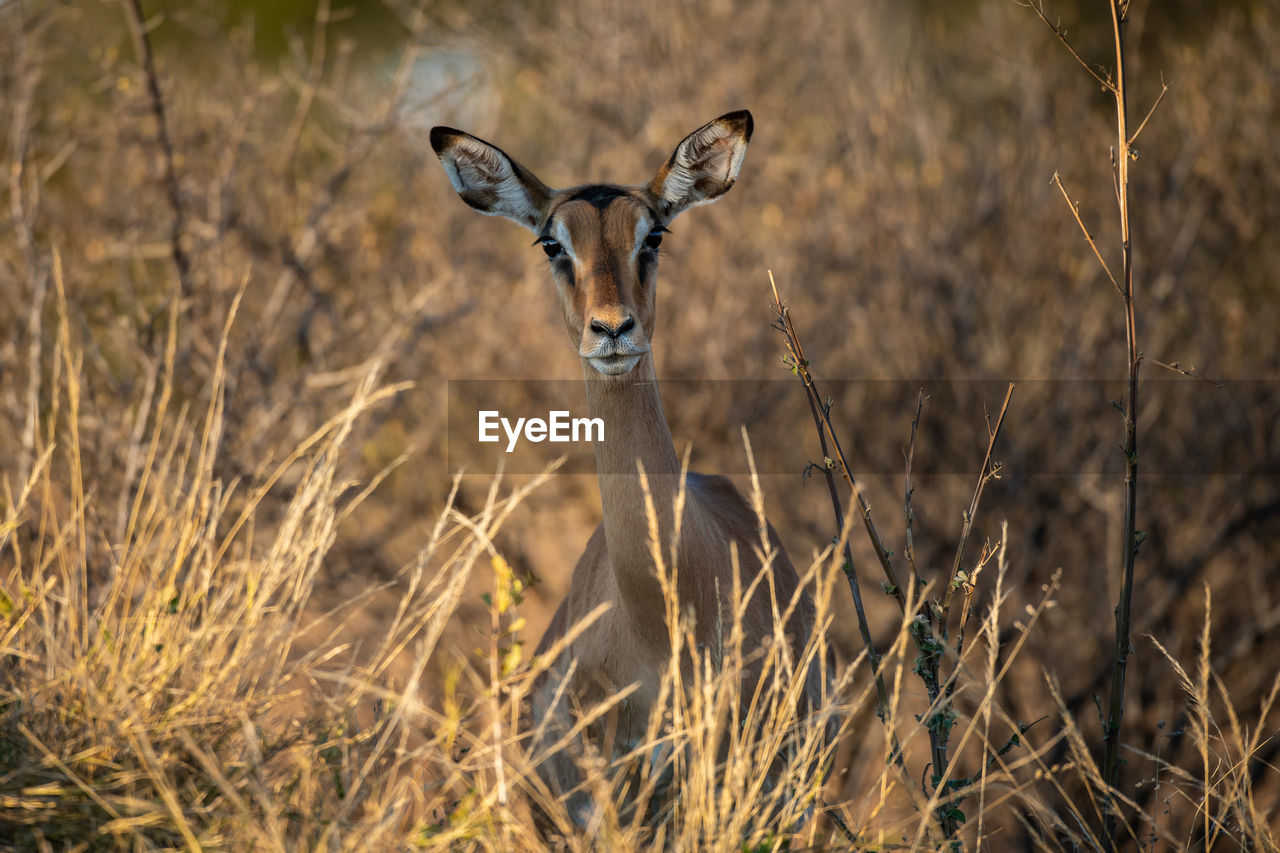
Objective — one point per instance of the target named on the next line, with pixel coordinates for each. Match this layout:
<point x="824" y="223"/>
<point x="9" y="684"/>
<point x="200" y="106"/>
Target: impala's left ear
<point x="489" y="180"/>
<point x="704" y="165"/>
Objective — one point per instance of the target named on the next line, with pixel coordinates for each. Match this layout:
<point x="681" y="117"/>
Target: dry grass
<point x="240" y="590"/>
<point x="190" y="700"/>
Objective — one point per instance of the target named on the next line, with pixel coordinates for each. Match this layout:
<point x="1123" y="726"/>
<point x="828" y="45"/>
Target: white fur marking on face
<point x="561" y="234"/>
<point x="643" y="227"/>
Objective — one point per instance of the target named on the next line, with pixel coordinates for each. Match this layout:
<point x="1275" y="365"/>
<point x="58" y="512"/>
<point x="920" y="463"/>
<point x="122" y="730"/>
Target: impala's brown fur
<point x="603" y="258"/>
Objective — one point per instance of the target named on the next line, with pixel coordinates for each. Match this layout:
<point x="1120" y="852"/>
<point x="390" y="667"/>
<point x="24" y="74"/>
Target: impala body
<point x="602" y="244"/>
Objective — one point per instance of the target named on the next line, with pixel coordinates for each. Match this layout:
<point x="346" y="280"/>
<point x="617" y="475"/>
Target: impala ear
<point x="488" y="180"/>
<point x="704" y="165"/>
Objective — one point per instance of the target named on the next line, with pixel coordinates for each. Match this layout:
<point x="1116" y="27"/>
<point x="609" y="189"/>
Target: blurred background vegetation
<point x="898" y="186"/>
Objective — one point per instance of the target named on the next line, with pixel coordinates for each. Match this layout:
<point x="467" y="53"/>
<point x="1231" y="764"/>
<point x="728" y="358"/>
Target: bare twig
<point x="309" y="86"/>
<point x="833" y="812"/>
<point x="1075" y="211"/>
<point x="969" y="585"/>
<point x="987" y="473"/>
<point x="1175" y="367"/>
<point x="1164" y="90"/>
<point x="1038" y="8"/>
<point x="23" y="201"/>
<point x="910" y="549"/>
<point x="297" y="254"/>
<point x="142" y="47"/>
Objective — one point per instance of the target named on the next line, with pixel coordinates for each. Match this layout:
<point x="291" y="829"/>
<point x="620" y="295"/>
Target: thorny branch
<point x="1124" y="609"/>
<point x="800" y="366"/>
<point x="928" y="629"/>
<point x="988" y="472"/>
<point x="822" y="423"/>
<point x="1122" y="154"/>
<point x="931" y="631"/>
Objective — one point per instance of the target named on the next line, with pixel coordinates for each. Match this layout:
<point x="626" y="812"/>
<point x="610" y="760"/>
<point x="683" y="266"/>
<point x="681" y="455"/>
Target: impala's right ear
<point x="704" y="165"/>
<point x="488" y="180"/>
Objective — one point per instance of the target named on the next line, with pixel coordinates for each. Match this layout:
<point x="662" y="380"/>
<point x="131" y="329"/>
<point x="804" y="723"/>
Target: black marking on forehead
<point x="601" y="196"/>
<point x="598" y="195"/>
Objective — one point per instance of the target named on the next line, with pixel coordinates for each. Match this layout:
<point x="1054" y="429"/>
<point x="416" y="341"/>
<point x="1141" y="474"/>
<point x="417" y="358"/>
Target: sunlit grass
<point x="182" y="694"/>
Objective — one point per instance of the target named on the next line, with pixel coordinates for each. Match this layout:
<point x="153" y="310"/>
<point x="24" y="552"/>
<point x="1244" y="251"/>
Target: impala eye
<point x="654" y="240"/>
<point x="552" y="248"/>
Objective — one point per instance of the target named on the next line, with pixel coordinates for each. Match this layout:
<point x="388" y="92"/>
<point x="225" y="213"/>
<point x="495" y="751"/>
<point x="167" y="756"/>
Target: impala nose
<point x="618" y="331"/>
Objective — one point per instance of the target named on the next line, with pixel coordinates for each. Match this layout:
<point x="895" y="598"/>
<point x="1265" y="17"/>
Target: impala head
<point x="601" y="240"/>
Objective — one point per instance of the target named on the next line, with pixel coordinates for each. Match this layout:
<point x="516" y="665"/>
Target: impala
<point x="602" y="244"/>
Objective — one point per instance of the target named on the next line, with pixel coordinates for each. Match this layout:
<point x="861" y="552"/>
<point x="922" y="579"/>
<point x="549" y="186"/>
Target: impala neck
<point x="635" y="430"/>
